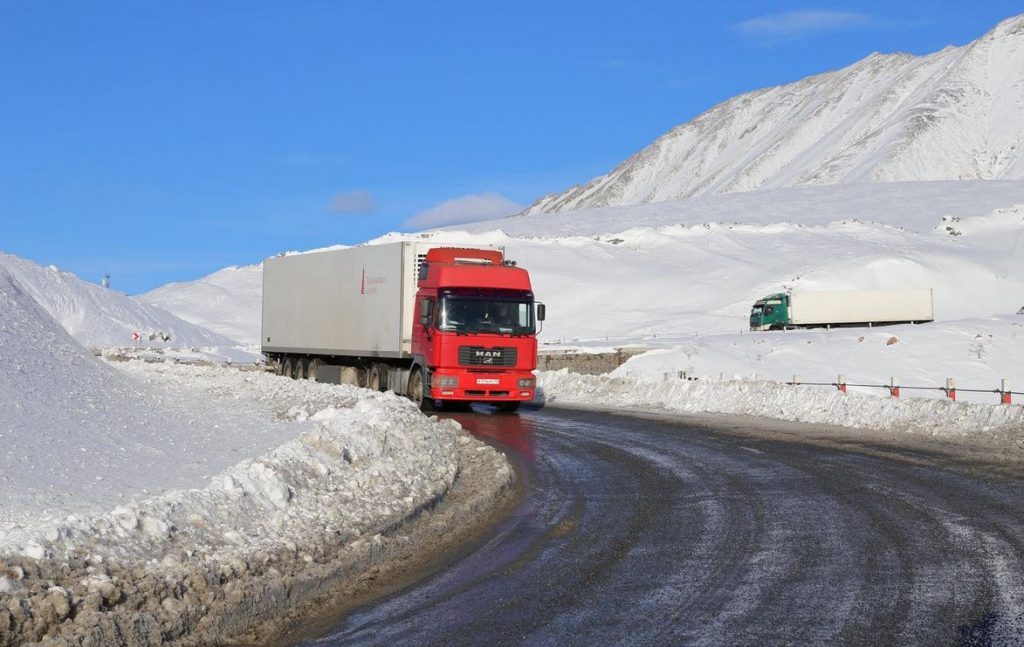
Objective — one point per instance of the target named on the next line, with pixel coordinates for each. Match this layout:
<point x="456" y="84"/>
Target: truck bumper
<point x="484" y="387"/>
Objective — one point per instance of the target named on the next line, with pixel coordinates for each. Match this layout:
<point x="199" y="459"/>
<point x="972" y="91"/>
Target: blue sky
<point x="162" y="141"/>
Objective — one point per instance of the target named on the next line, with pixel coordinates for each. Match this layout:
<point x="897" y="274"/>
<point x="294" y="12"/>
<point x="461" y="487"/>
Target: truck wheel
<point x="375" y="380"/>
<point x="509" y="407"/>
<point x="417" y="392"/>
<point x="278" y="364"/>
<point x="288" y="368"/>
<point x="301" y="369"/>
<point x="312" y="372"/>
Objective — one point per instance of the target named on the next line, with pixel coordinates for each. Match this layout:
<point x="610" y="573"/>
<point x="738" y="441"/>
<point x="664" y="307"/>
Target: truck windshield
<point x="486" y="314"/>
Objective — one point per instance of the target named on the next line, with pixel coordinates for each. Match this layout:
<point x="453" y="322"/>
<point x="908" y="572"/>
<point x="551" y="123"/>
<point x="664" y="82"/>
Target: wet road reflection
<point x="511" y="432"/>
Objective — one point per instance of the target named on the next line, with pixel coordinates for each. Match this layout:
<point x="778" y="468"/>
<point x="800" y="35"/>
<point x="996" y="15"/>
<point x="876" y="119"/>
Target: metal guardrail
<point x="894" y="387"/>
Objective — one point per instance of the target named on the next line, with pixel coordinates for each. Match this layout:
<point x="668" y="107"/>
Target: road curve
<point x="635" y="531"/>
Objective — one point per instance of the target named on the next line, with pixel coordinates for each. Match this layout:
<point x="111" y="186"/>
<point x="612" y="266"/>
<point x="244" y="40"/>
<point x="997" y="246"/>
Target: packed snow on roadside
<point x="161" y="465"/>
<point x="996" y="426"/>
<point x="976" y="353"/>
<point x="270" y="460"/>
<point x="83" y="437"/>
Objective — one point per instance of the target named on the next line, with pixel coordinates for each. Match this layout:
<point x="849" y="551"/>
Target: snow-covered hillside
<point x="682" y="275"/>
<point x="226" y="302"/>
<point x="100" y="317"/>
<point x="952" y="115"/>
<point x="652" y="274"/>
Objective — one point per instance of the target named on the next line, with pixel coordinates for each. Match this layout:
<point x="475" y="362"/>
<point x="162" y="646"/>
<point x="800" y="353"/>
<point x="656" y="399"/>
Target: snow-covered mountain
<point x="953" y="115"/>
<point x="100" y="317"/>
<point x="226" y="302"/>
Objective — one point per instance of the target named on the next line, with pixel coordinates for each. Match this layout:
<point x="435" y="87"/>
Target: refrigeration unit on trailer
<point x="841" y="308"/>
<point x="436" y="323"/>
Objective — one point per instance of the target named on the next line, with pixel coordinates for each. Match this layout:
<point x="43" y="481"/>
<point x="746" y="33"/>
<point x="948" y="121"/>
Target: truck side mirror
<point x="426" y="310"/>
<point x="540" y="312"/>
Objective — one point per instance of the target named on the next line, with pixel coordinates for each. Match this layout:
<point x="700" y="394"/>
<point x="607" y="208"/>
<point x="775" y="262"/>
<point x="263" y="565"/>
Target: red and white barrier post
<point x="841" y="383"/>
<point x="950" y="389"/>
<point x="894" y="387"/>
<point x="1004" y="392"/>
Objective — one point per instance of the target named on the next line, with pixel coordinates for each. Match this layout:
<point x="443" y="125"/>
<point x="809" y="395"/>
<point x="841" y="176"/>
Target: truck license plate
<point x="486" y="380"/>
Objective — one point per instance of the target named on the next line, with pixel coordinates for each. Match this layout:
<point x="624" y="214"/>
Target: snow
<point x="691" y="266"/>
<point x="1000" y="426"/>
<point x="270" y="460"/>
<point x="148" y="486"/>
<point x="151" y="461"/>
<point x="681" y="277"/>
<point x="83" y="438"/>
<point x="75" y="433"/>
<point x="116" y="456"/>
<point x="957" y="114"/>
<point x="977" y="353"/>
<point x="100" y="317"/>
<point x="227" y="302"/>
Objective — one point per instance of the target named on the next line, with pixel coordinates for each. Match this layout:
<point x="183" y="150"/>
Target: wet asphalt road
<point x="635" y="531"/>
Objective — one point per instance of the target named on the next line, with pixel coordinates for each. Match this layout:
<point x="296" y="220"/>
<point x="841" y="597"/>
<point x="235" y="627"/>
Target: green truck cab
<point x="770" y="313"/>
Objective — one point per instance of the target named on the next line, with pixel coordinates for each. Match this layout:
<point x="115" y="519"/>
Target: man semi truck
<point x="845" y="308"/>
<point x="434" y="323"/>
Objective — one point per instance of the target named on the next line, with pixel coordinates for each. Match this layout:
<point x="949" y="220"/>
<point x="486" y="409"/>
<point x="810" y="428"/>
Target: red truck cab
<point x="474" y="330"/>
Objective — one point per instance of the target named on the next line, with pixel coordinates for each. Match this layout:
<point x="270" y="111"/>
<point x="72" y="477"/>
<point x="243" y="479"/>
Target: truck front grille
<point x="480" y="356"/>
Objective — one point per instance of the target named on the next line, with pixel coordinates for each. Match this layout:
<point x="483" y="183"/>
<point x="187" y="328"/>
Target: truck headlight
<point x="527" y="382"/>
<point x="446" y="380"/>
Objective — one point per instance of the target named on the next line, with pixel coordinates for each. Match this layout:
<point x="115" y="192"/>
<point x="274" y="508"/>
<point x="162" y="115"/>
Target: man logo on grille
<point x="487" y="356"/>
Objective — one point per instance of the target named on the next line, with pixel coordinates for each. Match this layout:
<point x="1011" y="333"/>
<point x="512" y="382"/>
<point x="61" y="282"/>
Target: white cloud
<point x="467" y="208"/>
<point x="792" y="24"/>
<point x="357" y="201"/>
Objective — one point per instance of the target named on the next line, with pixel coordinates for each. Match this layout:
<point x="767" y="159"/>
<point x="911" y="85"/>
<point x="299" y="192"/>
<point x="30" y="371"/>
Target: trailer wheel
<point x="375" y="381"/>
<point x="288" y="367"/>
<point x="509" y="407"/>
<point x="278" y="364"/>
<point x="302" y="369"/>
<point x="312" y="372"/>
<point x="416" y="391"/>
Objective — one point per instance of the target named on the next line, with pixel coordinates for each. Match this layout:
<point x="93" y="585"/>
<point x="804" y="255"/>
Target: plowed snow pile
<point x="77" y="435"/>
<point x="99" y="317"/>
<point x="136" y="499"/>
<point x="993" y="426"/>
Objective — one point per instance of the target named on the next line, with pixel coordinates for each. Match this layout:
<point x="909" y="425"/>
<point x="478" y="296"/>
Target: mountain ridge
<point x="954" y="114"/>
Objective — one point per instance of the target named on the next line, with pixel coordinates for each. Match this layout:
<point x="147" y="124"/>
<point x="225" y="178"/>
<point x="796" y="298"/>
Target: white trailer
<point x="860" y="306"/>
<point x="346" y="302"/>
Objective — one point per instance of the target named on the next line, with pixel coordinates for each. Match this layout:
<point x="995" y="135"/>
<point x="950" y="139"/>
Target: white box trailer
<point x="860" y="306"/>
<point x="844" y="308"/>
<point x="346" y="302"/>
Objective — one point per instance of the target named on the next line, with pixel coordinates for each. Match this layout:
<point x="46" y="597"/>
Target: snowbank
<point x="977" y="353"/>
<point x="995" y="425"/>
<point x="99" y="317"/>
<point x="375" y="453"/>
<point x="227" y="302"/>
<point x="78" y="435"/>
<point x="151" y="500"/>
<point x="216" y="559"/>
